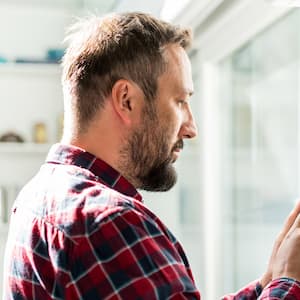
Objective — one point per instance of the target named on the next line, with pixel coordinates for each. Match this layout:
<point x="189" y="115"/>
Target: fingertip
<point x="297" y="204"/>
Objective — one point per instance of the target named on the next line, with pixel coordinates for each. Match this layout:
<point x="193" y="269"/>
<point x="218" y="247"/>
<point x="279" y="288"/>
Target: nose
<point x="189" y="127"/>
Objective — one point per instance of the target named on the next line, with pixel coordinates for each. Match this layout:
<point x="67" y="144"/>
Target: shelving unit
<point x="30" y="93"/>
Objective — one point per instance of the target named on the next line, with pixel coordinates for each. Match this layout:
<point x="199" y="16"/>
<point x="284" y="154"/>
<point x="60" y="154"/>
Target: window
<point x="260" y="117"/>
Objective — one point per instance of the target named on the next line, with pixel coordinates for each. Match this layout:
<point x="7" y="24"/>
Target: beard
<point x="146" y="160"/>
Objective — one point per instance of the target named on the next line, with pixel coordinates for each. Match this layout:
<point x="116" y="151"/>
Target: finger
<point x="295" y="225"/>
<point x="290" y="222"/>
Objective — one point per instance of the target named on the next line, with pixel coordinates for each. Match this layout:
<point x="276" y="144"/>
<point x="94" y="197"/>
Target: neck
<point x="100" y="139"/>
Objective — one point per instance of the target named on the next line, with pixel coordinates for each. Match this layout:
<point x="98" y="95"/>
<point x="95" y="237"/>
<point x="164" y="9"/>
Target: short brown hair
<point x="104" y="50"/>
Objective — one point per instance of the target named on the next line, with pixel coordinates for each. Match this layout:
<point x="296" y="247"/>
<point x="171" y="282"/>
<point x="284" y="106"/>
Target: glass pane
<point x="259" y="101"/>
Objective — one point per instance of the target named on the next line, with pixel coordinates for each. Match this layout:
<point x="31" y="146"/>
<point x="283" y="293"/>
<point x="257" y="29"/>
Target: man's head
<point x="141" y="61"/>
<point x="118" y="46"/>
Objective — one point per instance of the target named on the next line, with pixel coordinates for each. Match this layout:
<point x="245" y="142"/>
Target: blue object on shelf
<point x="55" y="55"/>
<point x="3" y="60"/>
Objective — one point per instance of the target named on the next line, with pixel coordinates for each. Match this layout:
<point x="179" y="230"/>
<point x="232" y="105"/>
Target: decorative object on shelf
<point x="40" y="133"/>
<point x="3" y="60"/>
<point x="55" y="55"/>
<point x="11" y="136"/>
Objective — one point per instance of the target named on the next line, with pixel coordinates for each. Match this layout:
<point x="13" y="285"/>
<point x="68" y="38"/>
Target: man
<point x="79" y="228"/>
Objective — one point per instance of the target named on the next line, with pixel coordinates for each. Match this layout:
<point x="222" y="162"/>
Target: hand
<point x="287" y="240"/>
<point x="287" y="260"/>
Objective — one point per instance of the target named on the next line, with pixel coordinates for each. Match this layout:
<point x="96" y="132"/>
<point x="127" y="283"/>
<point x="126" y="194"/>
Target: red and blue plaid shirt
<point x="79" y="230"/>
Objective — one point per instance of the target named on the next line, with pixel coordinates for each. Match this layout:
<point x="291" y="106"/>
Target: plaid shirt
<point x="79" y="230"/>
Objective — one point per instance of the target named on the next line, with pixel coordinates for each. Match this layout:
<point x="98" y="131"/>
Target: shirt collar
<point x="71" y="155"/>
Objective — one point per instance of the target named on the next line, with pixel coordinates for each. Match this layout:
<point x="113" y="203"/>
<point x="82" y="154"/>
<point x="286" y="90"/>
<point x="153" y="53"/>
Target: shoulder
<point x="127" y="227"/>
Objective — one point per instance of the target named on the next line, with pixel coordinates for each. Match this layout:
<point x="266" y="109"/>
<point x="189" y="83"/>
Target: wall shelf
<point x="30" y="69"/>
<point x="23" y="148"/>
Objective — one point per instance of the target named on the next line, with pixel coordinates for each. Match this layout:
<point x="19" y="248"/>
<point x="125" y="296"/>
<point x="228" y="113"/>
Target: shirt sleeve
<point x="278" y="289"/>
<point x="282" y="288"/>
<point x="250" y="292"/>
<point x="128" y="256"/>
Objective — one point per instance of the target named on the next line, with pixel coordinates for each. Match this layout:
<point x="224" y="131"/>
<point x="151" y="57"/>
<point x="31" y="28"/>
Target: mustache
<point x="178" y="145"/>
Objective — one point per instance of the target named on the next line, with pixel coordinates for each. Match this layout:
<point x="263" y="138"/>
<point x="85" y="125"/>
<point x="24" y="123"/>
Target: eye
<point x="182" y="102"/>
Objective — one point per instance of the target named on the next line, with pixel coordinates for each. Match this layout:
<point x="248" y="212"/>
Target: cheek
<point x="175" y="123"/>
<point x="171" y="121"/>
<point x="171" y="131"/>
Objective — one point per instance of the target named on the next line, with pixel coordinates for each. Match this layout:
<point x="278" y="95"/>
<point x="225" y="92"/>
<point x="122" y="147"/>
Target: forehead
<point x="178" y="75"/>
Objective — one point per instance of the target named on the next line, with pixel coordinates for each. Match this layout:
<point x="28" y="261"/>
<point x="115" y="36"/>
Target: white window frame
<point x="217" y="35"/>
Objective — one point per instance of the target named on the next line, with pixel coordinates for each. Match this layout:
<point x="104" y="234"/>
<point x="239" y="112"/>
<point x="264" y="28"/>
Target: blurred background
<point x="237" y="181"/>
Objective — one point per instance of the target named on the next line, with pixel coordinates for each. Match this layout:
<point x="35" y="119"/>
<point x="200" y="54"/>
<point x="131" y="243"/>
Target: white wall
<point x="29" y="30"/>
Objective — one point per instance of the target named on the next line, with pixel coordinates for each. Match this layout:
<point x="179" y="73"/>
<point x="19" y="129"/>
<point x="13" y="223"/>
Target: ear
<point x="127" y="100"/>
